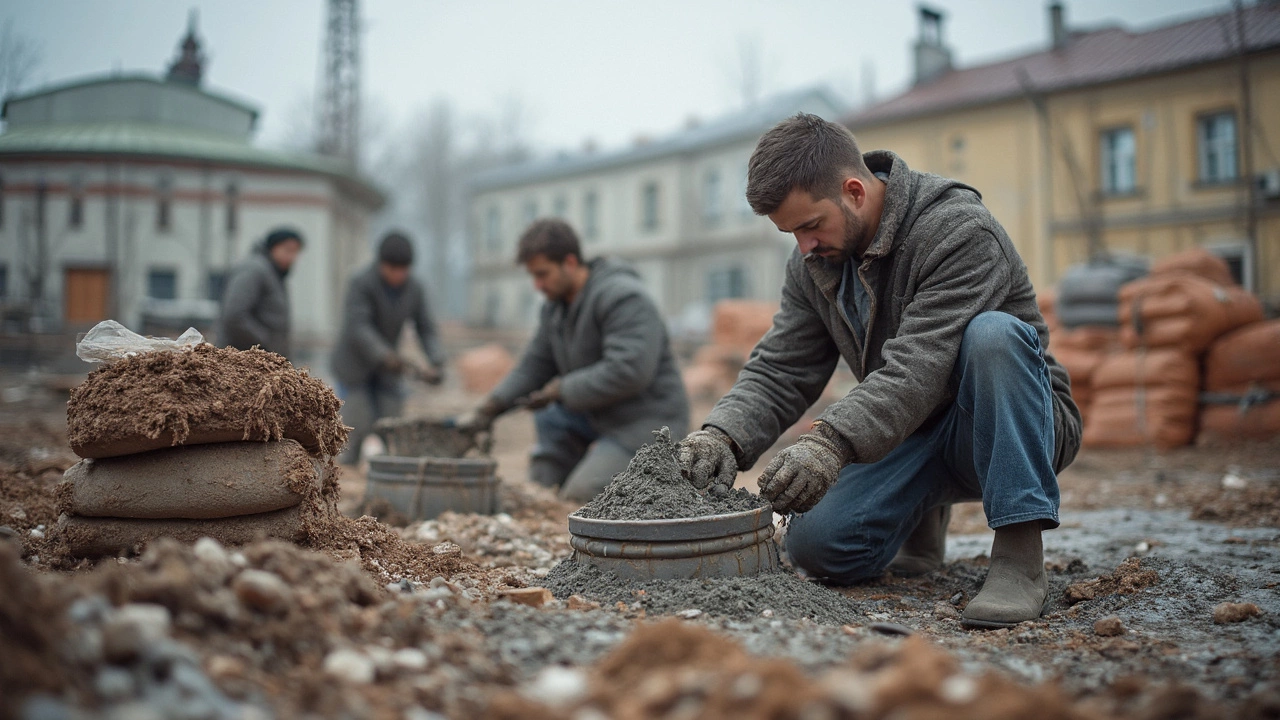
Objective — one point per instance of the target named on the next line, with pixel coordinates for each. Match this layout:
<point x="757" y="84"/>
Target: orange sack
<point x="1197" y="261"/>
<point x="1182" y="310"/>
<point x="1144" y="397"/>
<point x="741" y="323"/>
<point x="1148" y="368"/>
<point x="1248" y="355"/>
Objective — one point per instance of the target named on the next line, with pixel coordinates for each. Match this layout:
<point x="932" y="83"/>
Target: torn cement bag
<point x="194" y="482"/>
<point x="109" y="342"/>
<point x="207" y="395"/>
<point x="90" y="537"/>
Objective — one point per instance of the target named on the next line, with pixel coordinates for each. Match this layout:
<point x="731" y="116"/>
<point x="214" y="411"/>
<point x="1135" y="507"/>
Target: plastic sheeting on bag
<point x="109" y="342"/>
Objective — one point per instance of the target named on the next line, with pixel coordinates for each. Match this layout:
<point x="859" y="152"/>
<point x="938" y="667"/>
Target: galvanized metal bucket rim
<point x="403" y="462"/>
<point x="697" y="528"/>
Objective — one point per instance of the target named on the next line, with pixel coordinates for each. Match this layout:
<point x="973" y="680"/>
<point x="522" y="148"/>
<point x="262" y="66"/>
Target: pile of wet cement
<point x="786" y="594"/>
<point x="653" y="488"/>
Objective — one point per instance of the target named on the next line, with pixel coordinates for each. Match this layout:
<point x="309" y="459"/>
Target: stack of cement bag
<point x="229" y="444"/>
<point x="1148" y="393"/>
<point x="736" y="327"/>
<point x="1242" y="385"/>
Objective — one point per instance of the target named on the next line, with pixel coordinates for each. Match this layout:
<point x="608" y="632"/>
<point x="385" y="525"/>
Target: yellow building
<point x="1109" y="140"/>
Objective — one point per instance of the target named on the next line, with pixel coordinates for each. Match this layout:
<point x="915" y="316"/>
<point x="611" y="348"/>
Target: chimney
<point x="932" y="57"/>
<point x="1057" y="26"/>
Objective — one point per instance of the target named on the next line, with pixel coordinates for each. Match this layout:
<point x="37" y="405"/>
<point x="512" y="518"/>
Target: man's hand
<point x="801" y="475"/>
<point x="480" y="418"/>
<point x="549" y="393"/>
<point x="706" y="458"/>
<point x="431" y="375"/>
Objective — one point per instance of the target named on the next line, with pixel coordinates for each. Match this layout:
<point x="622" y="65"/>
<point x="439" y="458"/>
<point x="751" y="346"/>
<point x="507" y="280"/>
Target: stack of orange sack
<point x="1149" y="392"/>
<point x="1080" y="350"/>
<point x="736" y="327"/>
<point x="482" y="368"/>
<point x="1242" y="385"/>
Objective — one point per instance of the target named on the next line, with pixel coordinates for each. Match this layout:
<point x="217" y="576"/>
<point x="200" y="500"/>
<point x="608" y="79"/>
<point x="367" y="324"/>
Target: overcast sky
<point x="600" y="69"/>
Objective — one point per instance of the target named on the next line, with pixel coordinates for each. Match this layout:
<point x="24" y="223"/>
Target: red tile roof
<point x="1088" y="58"/>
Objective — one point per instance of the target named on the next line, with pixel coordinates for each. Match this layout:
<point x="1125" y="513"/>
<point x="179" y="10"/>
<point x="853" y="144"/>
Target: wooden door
<point x="85" y="295"/>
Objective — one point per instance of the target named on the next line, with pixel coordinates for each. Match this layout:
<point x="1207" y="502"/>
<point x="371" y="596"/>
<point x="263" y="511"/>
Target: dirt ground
<point x="1150" y="546"/>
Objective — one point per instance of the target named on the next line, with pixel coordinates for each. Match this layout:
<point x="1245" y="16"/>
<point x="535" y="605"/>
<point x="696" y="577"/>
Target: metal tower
<point x="339" y="111"/>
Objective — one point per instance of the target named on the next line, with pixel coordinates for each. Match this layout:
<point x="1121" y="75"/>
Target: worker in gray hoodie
<point x="907" y="277"/>
<point x="599" y="371"/>
<point x="255" y="304"/>
<point x="380" y="300"/>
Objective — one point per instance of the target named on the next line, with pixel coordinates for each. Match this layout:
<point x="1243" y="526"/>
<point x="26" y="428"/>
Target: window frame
<point x="1201" y="144"/>
<point x="650" y="211"/>
<point x="153" y="271"/>
<point x="1107" y="184"/>
<point x="164" y="202"/>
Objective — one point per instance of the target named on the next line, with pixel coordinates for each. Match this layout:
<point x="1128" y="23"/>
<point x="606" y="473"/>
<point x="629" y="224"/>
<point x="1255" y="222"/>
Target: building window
<point x="591" y="216"/>
<point x="1216" y="136"/>
<point x="530" y="211"/>
<point x="560" y="207"/>
<point x="164" y="202"/>
<point x="233" y="208"/>
<point x="1239" y="261"/>
<point x="162" y="284"/>
<point x="712" y="206"/>
<point x="649" y="206"/>
<point x="726" y="283"/>
<point x="4" y="281"/>
<point x="1" y="201"/>
<point x="75" y="200"/>
<point x="493" y="229"/>
<point x="217" y="284"/>
<point x="1118" y="161"/>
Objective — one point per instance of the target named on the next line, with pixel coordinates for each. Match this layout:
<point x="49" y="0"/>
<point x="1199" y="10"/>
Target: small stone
<point x="352" y="666"/>
<point x="849" y="629"/>
<point x="766" y="613"/>
<point x="557" y="686"/>
<point x="447" y="548"/>
<point x="129" y="630"/>
<point x="1142" y="548"/>
<point x="958" y="689"/>
<point x="210" y="551"/>
<point x="18" y="514"/>
<point x="262" y="590"/>
<point x="577" y="602"/>
<point x="956" y="599"/>
<point x="887" y="628"/>
<point x="113" y="684"/>
<point x="1232" y="481"/>
<point x="222" y="667"/>
<point x="37" y="533"/>
<point x="1109" y="627"/>
<point x="945" y="611"/>
<point x="531" y="596"/>
<point x="689" y="614"/>
<point x="1229" y="612"/>
<point x="409" y="659"/>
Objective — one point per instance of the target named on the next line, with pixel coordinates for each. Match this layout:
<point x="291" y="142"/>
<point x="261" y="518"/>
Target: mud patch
<point x="653" y="488"/>
<point x="773" y="594"/>
<point x="209" y="394"/>
<point x="1127" y="579"/>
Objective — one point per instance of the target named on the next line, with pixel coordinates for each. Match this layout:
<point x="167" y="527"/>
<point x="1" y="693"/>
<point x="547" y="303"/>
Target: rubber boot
<point x="1016" y="587"/>
<point x="925" y="547"/>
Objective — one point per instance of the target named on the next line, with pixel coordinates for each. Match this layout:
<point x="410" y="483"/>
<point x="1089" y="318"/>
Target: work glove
<point x="706" y="458"/>
<point x="549" y="393"/>
<point x="393" y="363"/>
<point x="801" y="475"/>
<point x="431" y="375"/>
<point x="480" y="418"/>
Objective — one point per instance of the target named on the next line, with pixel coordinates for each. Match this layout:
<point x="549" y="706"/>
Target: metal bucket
<point x="423" y="488"/>
<point x="713" y="546"/>
<point x="428" y="437"/>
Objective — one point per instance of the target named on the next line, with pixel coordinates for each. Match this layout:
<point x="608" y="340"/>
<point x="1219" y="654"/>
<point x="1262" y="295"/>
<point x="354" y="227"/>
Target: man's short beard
<point x="854" y="234"/>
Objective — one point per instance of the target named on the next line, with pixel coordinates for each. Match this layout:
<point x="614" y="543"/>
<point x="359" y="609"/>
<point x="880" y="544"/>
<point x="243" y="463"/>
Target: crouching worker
<point x="909" y="278"/>
<point x="599" y="371"/>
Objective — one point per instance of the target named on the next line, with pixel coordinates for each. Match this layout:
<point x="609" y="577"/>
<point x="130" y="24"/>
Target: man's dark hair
<point x="802" y="152"/>
<point x="396" y="249"/>
<point x="553" y="238"/>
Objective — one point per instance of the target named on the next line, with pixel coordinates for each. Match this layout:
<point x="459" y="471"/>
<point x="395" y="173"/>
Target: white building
<point x="675" y="208"/>
<point x="130" y="196"/>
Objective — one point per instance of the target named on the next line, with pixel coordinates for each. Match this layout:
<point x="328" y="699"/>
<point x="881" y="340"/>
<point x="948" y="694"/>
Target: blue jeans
<point x="570" y="455"/>
<point x="995" y="443"/>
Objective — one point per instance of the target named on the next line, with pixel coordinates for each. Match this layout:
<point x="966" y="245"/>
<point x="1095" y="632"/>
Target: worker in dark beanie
<point x="255" y="304"/>
<point x="380" y="300"/>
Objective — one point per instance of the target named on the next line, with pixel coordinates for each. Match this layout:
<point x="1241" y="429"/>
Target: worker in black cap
<point x="255" y="304"/>
<point x="380" y="300"/>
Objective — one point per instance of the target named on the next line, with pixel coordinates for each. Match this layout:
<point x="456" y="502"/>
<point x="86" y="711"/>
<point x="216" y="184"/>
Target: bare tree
<point x="20" y="55"/>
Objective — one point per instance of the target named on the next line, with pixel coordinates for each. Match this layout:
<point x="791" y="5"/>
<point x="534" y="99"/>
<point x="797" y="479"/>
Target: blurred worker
<point x="909" y="278"/>
<point x="379" y="301"/>
<point x="599" y="370"/>
<point x="255" y="304"/>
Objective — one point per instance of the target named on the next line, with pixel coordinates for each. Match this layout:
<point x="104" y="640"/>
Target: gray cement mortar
<point x="653" y="488"/>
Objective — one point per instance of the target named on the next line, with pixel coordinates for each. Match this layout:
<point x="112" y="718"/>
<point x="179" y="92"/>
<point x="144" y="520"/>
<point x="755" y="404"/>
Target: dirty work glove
<point x="549" y="393"/>
<point x="800" y="475"/>
<point x="480" y="418"/>
<point x="706" y="458"/>
<point x="431" y="376"/>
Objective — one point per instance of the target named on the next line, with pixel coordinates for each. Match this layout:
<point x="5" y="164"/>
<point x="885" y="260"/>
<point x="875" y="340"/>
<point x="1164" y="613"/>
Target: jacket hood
<point x="907" y="195"/>
<point x="608" y="267"/>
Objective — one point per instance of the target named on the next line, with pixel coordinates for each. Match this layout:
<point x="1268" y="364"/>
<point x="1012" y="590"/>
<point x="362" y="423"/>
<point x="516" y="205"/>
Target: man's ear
<point x="855" y="188"/>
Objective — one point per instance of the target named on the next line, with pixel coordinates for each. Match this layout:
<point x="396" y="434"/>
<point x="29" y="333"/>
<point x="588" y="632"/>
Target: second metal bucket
<point x="423" y="488"/>
<point x="713" y="546"/>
